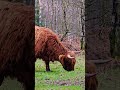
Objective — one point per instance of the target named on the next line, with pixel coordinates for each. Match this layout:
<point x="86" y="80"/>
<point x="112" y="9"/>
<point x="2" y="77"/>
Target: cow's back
<point x="41" y="36"/>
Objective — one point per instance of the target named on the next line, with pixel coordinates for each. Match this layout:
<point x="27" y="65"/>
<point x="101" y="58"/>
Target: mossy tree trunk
<point x="115" y="32"/>
<point x="98" y="15"/>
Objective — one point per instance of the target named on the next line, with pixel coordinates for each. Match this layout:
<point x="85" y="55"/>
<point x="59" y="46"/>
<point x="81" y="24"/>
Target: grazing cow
<point x="17" y="43"/>
<point x="49" y="48"/>
<point x="91" y="82"/>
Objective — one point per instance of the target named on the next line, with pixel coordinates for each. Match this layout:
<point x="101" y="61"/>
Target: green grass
<point x="11" y="84"/>
<point x="58" y="78"/>
<point x="110" y="80"/>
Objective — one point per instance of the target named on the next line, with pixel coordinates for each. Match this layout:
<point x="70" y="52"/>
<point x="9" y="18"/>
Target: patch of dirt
<point x="66" y="82"/>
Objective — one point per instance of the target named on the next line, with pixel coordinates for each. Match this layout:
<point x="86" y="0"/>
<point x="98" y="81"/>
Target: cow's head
<point x="68" y="61"/>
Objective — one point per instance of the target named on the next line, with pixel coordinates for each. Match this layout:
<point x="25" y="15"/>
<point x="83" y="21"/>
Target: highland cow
<point x="17" y="43"/>
<point x="91" y="82"/>
<point x="49" y="48"/>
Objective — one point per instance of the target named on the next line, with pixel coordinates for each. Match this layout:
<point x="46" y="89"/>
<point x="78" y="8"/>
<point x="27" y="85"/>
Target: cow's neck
<point x="58" y="50"/>
<point x="63" y="51"/>
<point x="54" y="48"/>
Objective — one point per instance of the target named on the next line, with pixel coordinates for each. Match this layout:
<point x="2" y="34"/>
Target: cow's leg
<point x="47" y="66"/>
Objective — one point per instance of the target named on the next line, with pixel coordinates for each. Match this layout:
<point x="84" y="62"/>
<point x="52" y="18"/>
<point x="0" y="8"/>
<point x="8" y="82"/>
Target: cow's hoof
<point x="48" y="70"/>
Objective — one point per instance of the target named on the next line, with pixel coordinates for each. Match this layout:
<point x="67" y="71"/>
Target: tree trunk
<point x="115" y="33"/>
<point x="98" y="26"/>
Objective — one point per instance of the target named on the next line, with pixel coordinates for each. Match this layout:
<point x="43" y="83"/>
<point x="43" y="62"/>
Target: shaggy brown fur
<point x="91" y="83"/>
<point x="49" y="48"/>
<point x="17" y="43"/>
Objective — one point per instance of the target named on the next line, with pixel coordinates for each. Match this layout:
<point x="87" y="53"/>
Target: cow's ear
<point x="61" y="58"/>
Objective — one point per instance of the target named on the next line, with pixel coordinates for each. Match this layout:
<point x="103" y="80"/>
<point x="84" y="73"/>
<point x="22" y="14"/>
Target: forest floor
<point x="110" y="80"/>
<point x="58" y="78"/>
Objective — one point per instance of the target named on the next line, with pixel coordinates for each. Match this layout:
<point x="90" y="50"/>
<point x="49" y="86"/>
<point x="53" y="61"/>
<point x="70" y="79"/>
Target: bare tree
<point x="65" y="22"/>
<point x="64" y="18"/>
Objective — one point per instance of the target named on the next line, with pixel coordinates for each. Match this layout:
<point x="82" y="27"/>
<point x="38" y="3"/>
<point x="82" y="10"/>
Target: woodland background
<point x="64" y="17"/>
<point x="90" y="24"/>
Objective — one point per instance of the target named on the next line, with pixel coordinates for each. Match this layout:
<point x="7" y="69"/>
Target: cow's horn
<point x="69" y="56"/>
<point x="100" y="61"/>
<point x="89" y="74"/>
